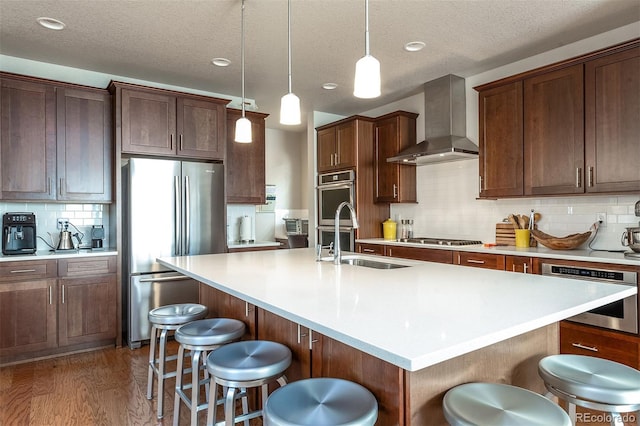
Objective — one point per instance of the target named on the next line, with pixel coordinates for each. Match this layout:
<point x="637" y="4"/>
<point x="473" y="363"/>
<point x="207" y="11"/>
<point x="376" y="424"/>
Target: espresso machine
<point x="18" y="233"/>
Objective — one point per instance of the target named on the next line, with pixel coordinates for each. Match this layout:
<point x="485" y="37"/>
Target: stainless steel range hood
<point x="445" y="125"/>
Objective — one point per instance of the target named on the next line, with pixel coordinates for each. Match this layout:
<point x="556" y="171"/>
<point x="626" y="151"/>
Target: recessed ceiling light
<point x="221" y="62"/>
<point x="50" y="23"/>
<point x="329" y="86"/>
<point x="414" y="46"/>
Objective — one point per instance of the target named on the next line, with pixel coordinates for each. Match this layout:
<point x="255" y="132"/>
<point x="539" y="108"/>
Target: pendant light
<point x="290" y="103"/>
<point x="243" y="125"/>
<point x="367" y="81"/>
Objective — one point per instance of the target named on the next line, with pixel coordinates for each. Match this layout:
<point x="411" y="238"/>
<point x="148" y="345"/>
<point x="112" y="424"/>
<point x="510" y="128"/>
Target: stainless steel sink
<point x="372" y="263"/>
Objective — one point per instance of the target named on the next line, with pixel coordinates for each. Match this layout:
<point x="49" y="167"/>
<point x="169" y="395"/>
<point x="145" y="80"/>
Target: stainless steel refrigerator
<point x="170" y="208"/>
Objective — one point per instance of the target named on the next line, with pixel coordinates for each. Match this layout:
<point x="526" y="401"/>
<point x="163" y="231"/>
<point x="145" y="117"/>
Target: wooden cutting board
<point x="505" y="234"/>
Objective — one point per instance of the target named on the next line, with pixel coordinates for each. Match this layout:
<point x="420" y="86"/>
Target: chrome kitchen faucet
<point x="337" y="253"/>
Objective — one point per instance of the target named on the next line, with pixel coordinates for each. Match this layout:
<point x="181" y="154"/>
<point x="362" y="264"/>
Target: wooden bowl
<point x="569" y="242"/>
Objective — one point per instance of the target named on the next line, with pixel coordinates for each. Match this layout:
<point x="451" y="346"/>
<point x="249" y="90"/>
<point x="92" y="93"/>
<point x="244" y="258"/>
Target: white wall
<point x="447" y="192"/>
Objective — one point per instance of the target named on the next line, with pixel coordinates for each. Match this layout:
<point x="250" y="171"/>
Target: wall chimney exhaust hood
<point x="445" y="125"/>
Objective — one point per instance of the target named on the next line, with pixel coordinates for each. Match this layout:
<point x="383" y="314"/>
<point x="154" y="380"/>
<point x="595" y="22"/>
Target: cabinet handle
<point x="311" y="339"/>
<point x="459" y="263"/>
<point x="480" y="182"/>
<point x="300" y="335"/>
<point x="171" y="141"/>
<point x="63" y="294"/>
<point x="395" y="191"/>
<point x="526" y="266"/>
<point x="180" y="148"/>
<point x="513" y="268"/>
<point x="50" y="296"/>
<point x="390" y="252"/>
<point x="49" y="186"/>
<point x="337" y="159"/>
<point x="590" y="176"/>
<point x="479" y="262"/>
<point x="22" y="271"/>
<point x="578" y="177"/>
<point x="581" y="346"/>
<point x="61" y="186"/>
<point x="246" y="309"/>
<point x="368" y="250"/>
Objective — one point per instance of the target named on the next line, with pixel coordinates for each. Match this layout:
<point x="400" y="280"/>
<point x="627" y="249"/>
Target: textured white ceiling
<point x="172" y="42"/>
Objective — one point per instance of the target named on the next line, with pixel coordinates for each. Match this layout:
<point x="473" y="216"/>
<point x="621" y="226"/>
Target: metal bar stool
<point x="165" y="319"/>
<point x="243" y="365"/>
<point x="594" y="383"/>
<point x="200" y="337"/>
<point x="500" y="405"/>
<point x="321" y="401"/>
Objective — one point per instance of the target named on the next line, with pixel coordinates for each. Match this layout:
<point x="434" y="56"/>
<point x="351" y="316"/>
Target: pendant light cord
<point x="242" y="48"/>
<point x="289" y="40"/>
<point x="366" y="27"/>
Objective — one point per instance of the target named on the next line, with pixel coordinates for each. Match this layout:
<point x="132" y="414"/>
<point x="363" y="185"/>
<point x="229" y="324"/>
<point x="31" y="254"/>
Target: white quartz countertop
<point x="47" y="254"/>
<point x="412" y="317"/>
<point x="585" y="255"/>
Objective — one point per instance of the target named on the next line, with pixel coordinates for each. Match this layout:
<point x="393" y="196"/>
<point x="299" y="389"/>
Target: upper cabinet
<point x="161" y="122"/>
<point x="55" y="142"/>
<point x="338" y="143"/>
<point x="394" y="183"/>
<point x="568" y="128"/>
<point x="245" y="165"/>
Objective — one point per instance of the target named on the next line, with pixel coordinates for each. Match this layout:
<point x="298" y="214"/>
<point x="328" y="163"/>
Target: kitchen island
<point x="439" y="325"/>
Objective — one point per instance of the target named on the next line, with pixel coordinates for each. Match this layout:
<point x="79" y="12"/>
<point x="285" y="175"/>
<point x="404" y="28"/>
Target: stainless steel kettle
<point x="65" y="242"/>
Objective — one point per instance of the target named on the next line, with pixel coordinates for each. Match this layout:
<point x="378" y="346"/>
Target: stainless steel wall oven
<point x="333" y="189"/>
<point x="621" y="315"/>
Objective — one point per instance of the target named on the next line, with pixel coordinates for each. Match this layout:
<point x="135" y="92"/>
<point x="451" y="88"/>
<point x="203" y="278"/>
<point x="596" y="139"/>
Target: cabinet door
<point x="87" y="309"/>
<point x="501" y="141"/>
<point x="612" y="109"/>
<point x="518" y="264"/>
<point x="346" y="141"/>
<point x="224" y="305"/>
<point x="395" y="183"/>
<point x="148" y="122"/>
<point x="294" y="336"/>
<point x="84" y="145"/>
<point x="554" y="132"/>
<point x="27" y="317"/>
<point x="326" y="140"/>
<point x="246" y="162"/>
<point x="417" y="253"/>
<point x="331" y="358"/>
<point x="27" y="141"/>
<point x="480" y="260"/>
<point x="201" y="129"/>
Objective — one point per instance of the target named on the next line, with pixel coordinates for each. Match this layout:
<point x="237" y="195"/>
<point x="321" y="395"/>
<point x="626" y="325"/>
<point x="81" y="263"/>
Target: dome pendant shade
<point x="367" y="81"/>
<point x="243" y="130"/>
<point x="290" y="109"/>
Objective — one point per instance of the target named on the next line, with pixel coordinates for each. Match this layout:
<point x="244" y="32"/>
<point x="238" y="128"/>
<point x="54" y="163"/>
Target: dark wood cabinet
<point x="223" y="305"/>
<point x="84" y="145"/>
<point x="554" y="132"/>
<point x="419" y="253"/>
<point x="612" y="122"/>
<point x="519" y="264"/>
<point x="167" y="123"/>
<point x="245" y="165"/>
<point x="28" y="140"/>
<point x="501" y="141"/>
<point x="377" y="249"/>
<point x="339" y="143"/>
<point x="394" y="183"/>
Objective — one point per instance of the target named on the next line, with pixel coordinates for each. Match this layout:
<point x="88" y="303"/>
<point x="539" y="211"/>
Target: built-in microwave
<point x="333" y="189"/>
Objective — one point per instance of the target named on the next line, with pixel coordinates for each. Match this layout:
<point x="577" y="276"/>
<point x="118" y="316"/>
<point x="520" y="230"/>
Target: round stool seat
<point x="322" y="401"/>
<point x="209" y="332"/>
<point x="498" y="404"/>
<point x="592" y="378"/>
<point x="249" y="360"/>
<point x="179" y="313"/>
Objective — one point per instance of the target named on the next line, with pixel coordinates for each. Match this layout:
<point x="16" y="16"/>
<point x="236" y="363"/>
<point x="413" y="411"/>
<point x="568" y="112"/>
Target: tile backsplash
<point x="82" y="216"/>
<point x="448" y="208"/>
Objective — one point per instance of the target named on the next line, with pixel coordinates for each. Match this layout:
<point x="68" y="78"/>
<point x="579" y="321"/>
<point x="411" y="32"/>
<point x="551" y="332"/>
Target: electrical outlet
<point x="62" y="223"/>
<point x="602" y="218"/>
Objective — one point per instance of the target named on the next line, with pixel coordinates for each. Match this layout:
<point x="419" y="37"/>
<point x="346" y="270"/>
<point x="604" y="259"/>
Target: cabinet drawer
<point x="582" y="340"/>
<point x="28" y="269"/>
<point x="425" y="254"/>
<point x="480" y="260"/>
<point x="86" y="266"/>
<point x="370" y="249"/>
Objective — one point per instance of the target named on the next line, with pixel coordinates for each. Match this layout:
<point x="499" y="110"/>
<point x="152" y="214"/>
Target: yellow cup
<point x="522" y="237"/>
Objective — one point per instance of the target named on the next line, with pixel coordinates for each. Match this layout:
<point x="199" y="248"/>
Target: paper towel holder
<point x="245" y="229"/>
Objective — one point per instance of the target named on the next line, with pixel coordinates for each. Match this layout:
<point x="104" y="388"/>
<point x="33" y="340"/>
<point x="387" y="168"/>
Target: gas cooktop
<point x="439" y="241"/>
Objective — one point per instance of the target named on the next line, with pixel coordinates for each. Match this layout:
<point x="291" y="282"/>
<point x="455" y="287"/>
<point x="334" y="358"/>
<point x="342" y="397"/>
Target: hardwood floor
<point x="104" y="387"/>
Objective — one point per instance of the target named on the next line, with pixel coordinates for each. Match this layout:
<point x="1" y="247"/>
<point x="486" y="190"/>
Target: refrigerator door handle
<point x="172" y="278"/>
<point x="176" y="227"/>
<point x="187" y="215"/>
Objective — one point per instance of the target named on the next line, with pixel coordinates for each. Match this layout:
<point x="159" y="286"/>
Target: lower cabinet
<point x="480" y="260"/>
<point x="223" y="305"/>
<point x="519" y="264"/>
<point x="50" y="307"/>
<point x="416" y="253"/>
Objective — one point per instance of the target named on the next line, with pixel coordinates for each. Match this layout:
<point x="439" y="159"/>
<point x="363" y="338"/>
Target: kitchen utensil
<point x="522" y="237"/>
<point x="65" y="242"/>
<point x="631" y="238"/>
<point x="513" y="221"/>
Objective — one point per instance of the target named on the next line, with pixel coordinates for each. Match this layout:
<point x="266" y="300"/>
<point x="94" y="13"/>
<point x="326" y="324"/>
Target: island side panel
<point x="513" y="361"/>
